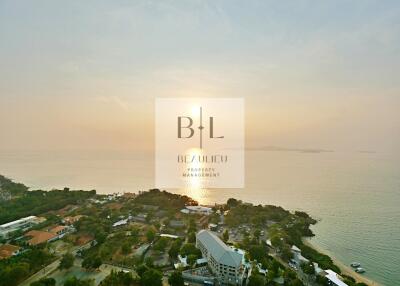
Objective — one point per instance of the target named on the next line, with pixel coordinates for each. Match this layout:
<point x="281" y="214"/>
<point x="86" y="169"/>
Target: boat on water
<point x="355" y="264"/>
<point x="360" y="270"/>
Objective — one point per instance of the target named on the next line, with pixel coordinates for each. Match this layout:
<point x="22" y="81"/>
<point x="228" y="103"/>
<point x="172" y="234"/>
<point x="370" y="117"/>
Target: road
<point x="41" y="273"/>
<point x="50" y="268"/>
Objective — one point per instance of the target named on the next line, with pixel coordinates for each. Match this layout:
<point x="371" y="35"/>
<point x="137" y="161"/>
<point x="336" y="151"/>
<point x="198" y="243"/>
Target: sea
<point x="355" y="196"/>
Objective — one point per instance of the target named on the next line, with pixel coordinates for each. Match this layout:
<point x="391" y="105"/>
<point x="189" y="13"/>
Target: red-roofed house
<point x="39" y="237"/>
<point x="8" y="250"/>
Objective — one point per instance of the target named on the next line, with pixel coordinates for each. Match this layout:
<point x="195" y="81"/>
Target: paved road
<point x="41" y="273"/>
<point x="50" y="268"/>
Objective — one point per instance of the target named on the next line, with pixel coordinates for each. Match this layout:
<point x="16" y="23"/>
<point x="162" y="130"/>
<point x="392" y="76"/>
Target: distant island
<point x="285" y="149"/>
<point x="80" y="238"/>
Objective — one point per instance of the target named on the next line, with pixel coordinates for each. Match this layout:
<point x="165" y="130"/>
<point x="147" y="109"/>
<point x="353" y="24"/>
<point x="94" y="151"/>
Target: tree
<point x="296" y="282"/>
<point x="100" y="236"/>
<point x="12" y="275"/>
<point x="191" y="259"/>
<point x="258" y="252"/>
<point x="150" y="235"/>
<point x="119" y="279"/>
<point x="308" y="268"/>
<point x="286" y="253"/>
<point x="231" y="203"/>
<point x="73" y="281"/>
<point x="271" y="274"/>
<point x="149" y="261"/>
<point x="66" y="261"/>
<point x="176" y="279"/>
<point x="44" y="282"/>
<point x="192" y="225"/>
<point x="161" y="244"/>
<point x="126" y="248"/>
<point x="190" y="248"/>
<point x="151" y="277"/>
<point x="256" y="280"/>
<point x="257" y="234"/>
<point x="175" y="247"/>
<point x="276" y="241"/>
<point x="91" y="262"/>
<point x="192" y="237"/>
<point x="225" y="235"/>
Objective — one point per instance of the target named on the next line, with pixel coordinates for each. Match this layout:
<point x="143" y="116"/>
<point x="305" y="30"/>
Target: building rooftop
<point x="72" y="219"/>
<point x="8" y="250"/>
<point x="169" y="235"/>
<point x="295" y="248"/>
<point x="334" y="278"/>
<point x="38" y="236"/>
<point x="121" y="222"/>
<point x="198" y="208"/>
<point x="11" y="223"/>
<point x="218" y="249"/>
<point x="57" y="229"/>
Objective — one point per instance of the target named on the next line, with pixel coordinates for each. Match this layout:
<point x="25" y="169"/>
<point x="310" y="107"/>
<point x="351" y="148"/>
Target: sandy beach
<point x="346" y="270"/>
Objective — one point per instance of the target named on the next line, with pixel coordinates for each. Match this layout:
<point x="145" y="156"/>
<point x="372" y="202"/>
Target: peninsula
<point x="74" y="237"/>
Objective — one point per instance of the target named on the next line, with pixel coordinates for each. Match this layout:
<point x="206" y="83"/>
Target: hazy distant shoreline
<point x="285" y="149"/>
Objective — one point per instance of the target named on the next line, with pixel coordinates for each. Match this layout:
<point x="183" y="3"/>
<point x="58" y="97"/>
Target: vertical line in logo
<point x="201" y="128"/>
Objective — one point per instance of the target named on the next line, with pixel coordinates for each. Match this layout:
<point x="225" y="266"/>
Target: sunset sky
<point x="85" y="74"/>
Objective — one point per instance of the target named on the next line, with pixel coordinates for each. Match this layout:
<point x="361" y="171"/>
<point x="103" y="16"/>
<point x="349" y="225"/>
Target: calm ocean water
<point x="355" y="196"/>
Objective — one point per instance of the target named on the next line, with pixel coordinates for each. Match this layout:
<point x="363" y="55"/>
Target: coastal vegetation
<point x="125" y="232"/>
<point x="16" y="269"/>
<point x="38" y="202"/>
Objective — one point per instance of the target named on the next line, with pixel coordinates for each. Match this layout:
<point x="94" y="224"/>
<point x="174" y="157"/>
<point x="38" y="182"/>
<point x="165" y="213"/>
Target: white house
<point x="298" y="258"/>
<point x="333" y="278"/>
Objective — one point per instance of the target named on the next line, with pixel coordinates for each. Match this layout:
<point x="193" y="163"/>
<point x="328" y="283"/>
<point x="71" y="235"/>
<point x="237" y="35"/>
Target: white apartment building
<point x="23" y="223"/>
<point x="225" y="262"/>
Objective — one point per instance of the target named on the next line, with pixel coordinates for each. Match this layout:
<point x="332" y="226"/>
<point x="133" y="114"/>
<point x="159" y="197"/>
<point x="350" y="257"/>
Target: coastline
<point x="346" y="270"/>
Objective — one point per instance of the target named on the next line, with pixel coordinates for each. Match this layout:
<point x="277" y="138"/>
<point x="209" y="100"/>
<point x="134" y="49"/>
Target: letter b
<point x="188" y="127"/>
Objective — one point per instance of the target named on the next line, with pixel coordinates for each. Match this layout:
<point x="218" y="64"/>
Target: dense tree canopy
<point x="119" y="279"/>
<point x="16" y="269"/>
<point x="164" y="199"/>
<point x="66" y="261"/>
<point x="176" y="279"/>
<point x="39" y="202"/>
<point x="151" y="277"/>
<point x="44" y="282"/>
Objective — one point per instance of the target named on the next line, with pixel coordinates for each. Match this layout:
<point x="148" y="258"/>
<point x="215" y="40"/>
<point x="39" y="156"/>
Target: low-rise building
<point x="38" y="237"/>
<point x="140" y="217"/>
<point x="20" y="224"/>
<point x="69" y="220"/>
<point x="169" y="236"/>
<point x="60" y="230"/>
<point x="297" y="257"/>
<point x="333" y="278"/>
<point x="176" y="223"/>
<point x="8" y="250"/>
<point x="120" y="223"/>
<point x="212" y="226"/>
<point x="226" y="263"/>
<point x="197" y="210"/>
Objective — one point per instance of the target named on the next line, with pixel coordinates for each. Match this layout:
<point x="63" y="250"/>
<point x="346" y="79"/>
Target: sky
<point x="85" y="74"/>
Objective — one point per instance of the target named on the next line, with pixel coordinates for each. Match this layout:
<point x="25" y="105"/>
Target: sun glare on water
<point x="194" y="185"/>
